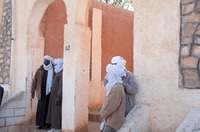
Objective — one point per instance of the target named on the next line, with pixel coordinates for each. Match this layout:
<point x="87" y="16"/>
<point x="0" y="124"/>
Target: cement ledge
<point x="137" y="119"/>
<point x="191" y="123"/>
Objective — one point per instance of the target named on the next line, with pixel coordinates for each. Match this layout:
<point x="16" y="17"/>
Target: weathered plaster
<point x="76" y="78"/>
<point x="157" y="29"/>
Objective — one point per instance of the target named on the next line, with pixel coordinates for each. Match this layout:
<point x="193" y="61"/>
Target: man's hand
<point x="32" y="95"/>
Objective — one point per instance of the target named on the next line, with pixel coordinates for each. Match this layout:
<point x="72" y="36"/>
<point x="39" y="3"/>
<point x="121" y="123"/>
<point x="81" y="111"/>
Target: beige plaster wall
<point x="76" y="78"/>
<point x="157" y="29"/>
<point x="22" y="11"/>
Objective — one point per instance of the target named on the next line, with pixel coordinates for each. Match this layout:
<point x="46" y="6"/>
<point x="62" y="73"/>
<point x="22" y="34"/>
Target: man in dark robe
<point x="54" y="116"/>
<point x="42" y="84"/>
<point x="1" y="94"/>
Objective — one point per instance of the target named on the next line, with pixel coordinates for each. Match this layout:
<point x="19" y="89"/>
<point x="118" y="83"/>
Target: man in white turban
<point x="42" y="84"/>
<point x="113" y="108"/>
<point x="129" y="82"/>
<point x="54" y="116"/>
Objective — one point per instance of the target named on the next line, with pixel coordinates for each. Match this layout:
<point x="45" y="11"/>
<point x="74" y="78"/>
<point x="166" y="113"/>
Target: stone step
<point x="92" y="127"/>
<point x="94" y="116"/>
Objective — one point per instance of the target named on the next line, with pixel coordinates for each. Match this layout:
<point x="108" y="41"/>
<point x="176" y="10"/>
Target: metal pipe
<point x="12" y="44"/>
<point x="12" y="19"/>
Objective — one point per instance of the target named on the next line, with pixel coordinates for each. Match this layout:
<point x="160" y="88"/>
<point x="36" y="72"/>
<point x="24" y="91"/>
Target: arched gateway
<point x="76" y="52"/>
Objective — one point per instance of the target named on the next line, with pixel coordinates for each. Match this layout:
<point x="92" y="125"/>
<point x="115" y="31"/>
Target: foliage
<point x="126" y="4"/>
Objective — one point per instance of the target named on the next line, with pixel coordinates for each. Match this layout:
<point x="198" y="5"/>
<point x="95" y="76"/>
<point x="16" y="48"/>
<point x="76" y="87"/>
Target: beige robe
<point x="113" y="108"/>
<point x="37" y="82"/>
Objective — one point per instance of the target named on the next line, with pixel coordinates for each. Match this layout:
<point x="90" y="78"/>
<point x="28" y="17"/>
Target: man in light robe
<point x="54" y="116"/>
<point x="113" y="108"/>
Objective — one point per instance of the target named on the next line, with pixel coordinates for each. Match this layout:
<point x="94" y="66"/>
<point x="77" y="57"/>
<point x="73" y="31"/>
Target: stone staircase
<point x="13" y="110"/>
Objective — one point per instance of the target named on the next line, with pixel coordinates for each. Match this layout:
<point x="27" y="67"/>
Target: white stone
<point x="19" y="112"/>
<point x="188" y="8"/>
<point x="191" y="78"/>
<point x="189" y="62"/>
<point x="137" y="120"/>
<point x="14" y="120"/>
<point x="16" y="104"/>
<point x="6" y="113"/>
<point x="196" y="51"/>
<point x="2" y="122"/>
<point x="185" y="51"/>
<point x="190" y="121"/>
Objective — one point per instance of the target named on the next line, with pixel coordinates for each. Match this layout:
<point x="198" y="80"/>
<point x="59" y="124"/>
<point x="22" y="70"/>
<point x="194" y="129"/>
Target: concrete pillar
<point x="76" y="78"/>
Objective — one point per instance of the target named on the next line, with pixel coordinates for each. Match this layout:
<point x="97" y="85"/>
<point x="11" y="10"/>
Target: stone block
<point x="188" y="8"/>
<point x="2" y="50"/>
<point x="196" y="51"/>
<point x="185" y="51"/>
<point x="17" y="104"/>
<point x="191" y="78"/>
<point x="1" y="79"/>
<point x="137" y="119"/>
<point x="6" y="80"/>
<point x="189" y="28"/>
<point x="20" y="112"/>
<point x="198" y="7"/>
<point x="3" y="129"/>
<point x="187" y="1"/>
<point x="197" y="40"/>
<point x="189" y="62"/>
<point x="7" y="113"/>
<point x="14" y="120"/>
<point x="186" y="40"/>
<point x="5" y="74"/>
<point x="2" y="122"/>
<point x="191" y="17"/>
<point x="190" y="122"/>
<point x="197" y="31"/>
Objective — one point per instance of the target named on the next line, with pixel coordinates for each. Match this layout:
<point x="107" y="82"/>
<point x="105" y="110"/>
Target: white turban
<point x="114" y="75"/>
<point x="120" y="62"/>
<point x="49" y="69"/>
<point x="46" y="57"/>
<point x="58" y="64"/>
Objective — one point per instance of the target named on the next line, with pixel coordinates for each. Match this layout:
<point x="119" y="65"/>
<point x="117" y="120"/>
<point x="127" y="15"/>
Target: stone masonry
<point x="190" y="44"/>
<point x="13" y="112"/>
<point x="5" y="43"/>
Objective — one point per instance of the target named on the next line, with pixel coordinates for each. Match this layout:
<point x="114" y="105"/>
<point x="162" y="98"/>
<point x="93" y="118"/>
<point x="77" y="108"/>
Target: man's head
<point x="58" y="65"/>
<point x="119" y="62"/>
<point x="46" y="62"/>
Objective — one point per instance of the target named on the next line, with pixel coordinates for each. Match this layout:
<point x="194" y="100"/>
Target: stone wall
<point x="190" y="44"/>
<point x="5" y="43"/>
